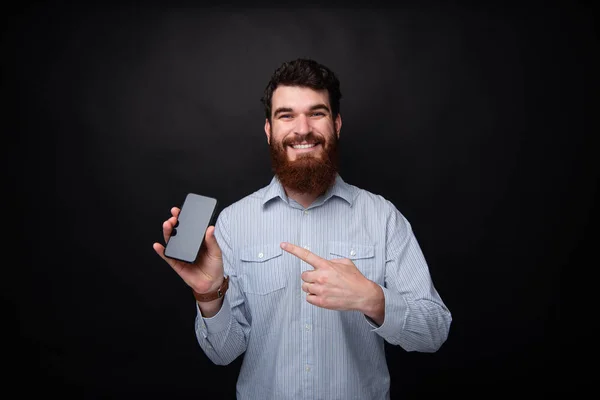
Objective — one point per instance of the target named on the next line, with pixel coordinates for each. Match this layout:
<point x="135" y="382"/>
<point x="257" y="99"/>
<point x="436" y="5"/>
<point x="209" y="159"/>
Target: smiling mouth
<point x="304" y="146"/>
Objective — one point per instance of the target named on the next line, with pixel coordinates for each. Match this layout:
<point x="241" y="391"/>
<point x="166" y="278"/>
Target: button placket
<point x="305" y="238"/>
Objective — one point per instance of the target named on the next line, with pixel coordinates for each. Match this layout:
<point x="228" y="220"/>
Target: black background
<point x="473" y="120"/>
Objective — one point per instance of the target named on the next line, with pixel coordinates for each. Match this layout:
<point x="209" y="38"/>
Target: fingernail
<point x="283" y="245"/>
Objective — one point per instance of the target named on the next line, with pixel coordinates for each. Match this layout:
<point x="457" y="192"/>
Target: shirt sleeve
<point x="415" y="318"/>
<point x="223" y="337"/>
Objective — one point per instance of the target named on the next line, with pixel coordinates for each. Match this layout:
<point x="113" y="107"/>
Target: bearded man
<point x="310" y="275"/>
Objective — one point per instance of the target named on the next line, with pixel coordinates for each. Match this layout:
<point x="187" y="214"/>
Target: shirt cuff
<point x="396" y="310"/>
<point x="218" y="322"/>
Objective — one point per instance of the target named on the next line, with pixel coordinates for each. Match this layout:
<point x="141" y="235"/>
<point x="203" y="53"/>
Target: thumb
<point x="212" y="247"/>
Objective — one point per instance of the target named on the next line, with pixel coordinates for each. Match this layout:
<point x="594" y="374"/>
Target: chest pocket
<point x="362" y="255"/>
<point x="262" y="269"/>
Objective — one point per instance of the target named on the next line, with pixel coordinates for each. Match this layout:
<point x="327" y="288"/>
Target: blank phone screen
<point x="194" y="218"/>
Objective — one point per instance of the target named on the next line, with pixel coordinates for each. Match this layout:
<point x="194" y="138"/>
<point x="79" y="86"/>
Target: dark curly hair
<point x="304" y="72"/>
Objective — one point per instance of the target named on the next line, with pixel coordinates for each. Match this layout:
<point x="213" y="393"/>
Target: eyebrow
<point x="282" y="110"/>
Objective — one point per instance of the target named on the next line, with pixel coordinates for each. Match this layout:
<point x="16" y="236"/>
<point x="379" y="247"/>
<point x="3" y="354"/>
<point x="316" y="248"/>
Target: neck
<point x="304" y="199"/>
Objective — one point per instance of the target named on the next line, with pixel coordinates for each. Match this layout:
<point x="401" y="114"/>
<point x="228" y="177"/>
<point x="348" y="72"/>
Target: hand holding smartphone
<point x="188" y="234"/>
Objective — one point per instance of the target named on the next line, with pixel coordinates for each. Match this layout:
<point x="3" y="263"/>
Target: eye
<point x="318" y="114"/>
<point x="285" y="116"/>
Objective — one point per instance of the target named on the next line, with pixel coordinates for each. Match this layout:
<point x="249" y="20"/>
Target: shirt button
<point x="307" y="368"/>
<point x="260" y="255"/>
<point x="305" y="212"/>
<point x="352" y="253"/>
<point x="307" y="327"/>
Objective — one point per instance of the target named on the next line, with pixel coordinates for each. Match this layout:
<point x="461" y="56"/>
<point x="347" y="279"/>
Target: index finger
<point x="304" y="254"/>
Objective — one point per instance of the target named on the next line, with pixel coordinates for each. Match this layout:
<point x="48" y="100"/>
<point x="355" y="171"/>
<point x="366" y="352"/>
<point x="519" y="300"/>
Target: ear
<point x="337" y="125"/>
<point x="268" y="130"/>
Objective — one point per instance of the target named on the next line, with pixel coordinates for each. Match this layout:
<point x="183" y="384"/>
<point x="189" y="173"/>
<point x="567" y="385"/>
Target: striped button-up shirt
<point x="293" y="349"/>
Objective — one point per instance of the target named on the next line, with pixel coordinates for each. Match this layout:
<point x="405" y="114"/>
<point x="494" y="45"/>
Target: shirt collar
<point x="339" y="188"/>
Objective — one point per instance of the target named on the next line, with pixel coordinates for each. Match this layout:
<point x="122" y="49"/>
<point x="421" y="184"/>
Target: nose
<point x="302" y="125"/>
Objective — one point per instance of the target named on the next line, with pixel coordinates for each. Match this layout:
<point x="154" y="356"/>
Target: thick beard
<point x="306" y="174"/>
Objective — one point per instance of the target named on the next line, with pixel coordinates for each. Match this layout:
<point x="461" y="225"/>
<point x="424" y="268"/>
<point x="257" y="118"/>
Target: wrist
<point x="214" y="294"/>
<point x="374" y="304"/>
<point x="216" y="284"/>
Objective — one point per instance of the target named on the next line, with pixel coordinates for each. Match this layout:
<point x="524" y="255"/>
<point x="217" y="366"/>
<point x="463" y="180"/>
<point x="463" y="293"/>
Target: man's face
<point x="303" y="135"/>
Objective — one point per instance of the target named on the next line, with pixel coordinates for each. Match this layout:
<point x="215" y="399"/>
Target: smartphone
<point x="195" y="216"/>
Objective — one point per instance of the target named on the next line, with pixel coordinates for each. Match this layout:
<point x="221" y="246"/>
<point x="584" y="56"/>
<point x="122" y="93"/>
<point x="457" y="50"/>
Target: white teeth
<point x="303" y="146"/>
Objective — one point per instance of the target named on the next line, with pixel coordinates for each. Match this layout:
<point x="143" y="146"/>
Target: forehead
<point x="297" y="97"/>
